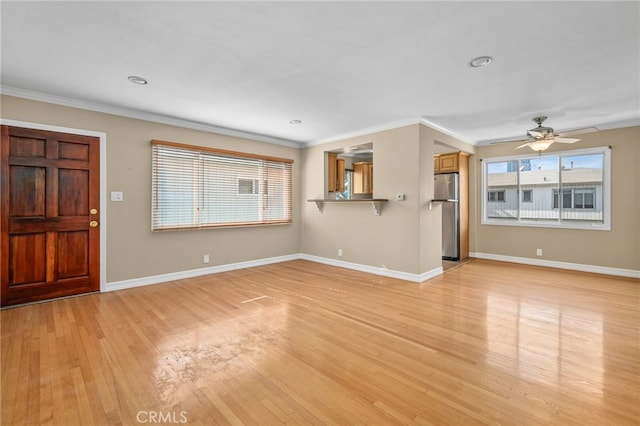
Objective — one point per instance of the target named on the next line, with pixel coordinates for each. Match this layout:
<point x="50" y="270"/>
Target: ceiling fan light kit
<point x="540" y="146"/>
<point x="542" y="137"/>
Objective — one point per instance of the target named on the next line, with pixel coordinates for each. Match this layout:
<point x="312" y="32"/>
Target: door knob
<point x="93" y="223"/>
<point x="93" y="211"/>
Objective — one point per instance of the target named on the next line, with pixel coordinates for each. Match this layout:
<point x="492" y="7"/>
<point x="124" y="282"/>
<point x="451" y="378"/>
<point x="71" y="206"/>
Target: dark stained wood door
<point x="50" y="210"/>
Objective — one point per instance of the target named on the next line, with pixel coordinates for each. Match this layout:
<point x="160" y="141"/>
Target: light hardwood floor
<point x="304" y="343"/>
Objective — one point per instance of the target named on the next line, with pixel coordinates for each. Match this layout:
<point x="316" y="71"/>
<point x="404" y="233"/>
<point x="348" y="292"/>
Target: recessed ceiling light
<point x="295" y="122"/>
<point x="480" y="61"/>
<point x="137" y="79"/>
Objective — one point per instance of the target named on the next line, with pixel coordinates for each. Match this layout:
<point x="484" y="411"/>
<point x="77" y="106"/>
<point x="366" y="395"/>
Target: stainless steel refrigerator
<point x="447" y="192"/>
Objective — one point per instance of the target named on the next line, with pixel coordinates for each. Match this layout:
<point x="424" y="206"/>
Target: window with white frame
<point x="496" y="196"/>
<point x="198" y="187"/>
<point x="248" y="186"/>
<point x="575" y="198"/>
<point x="562" y="189"/>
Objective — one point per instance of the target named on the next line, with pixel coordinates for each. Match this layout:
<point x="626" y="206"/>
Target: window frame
<point x="255" y="186"/>
<point x="498" y="193"/>
<point x="606" y="192"/>
<point x="583" y="192"/>
<point x="572" y="192"/>
<point x="200" y="184"/>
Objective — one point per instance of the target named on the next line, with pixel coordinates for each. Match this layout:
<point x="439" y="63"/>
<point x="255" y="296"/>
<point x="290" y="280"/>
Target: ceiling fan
<point x="542" y="137"/>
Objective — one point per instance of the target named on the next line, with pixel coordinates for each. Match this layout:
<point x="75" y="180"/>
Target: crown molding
<point x="435" y="126"/>
<point x="598" y="126"/>
<point x="391" y="126"/>
<point x="364" y="132"/>
<point x="142" y="115"/>
<point x="618" y="124"/>
<point x="178" y="122"/>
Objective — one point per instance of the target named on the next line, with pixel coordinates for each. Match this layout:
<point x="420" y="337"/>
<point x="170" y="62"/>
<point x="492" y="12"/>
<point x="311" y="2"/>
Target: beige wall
<point x="133" y="251"/>
<point x="388" y="241"/>
<point x="618" y="248"/>
<point x="405" y="238"/>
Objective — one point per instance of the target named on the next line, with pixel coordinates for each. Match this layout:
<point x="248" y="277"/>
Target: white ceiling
<point x="343" y="68"/>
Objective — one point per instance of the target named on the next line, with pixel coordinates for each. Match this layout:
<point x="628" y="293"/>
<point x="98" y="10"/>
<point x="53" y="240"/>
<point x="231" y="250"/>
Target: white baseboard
<point x="156" y="279"/>
<point x="562" y="265"/>
<point x="417" y="278"/>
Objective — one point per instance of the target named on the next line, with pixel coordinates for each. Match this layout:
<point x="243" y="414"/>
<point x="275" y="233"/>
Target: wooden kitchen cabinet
<point x="446" y="163"/>
<point x="340" y="171"/>
<point x="462" y="164"/>
<point x="335" y="173"/>
<point x="332" y="167"/>
<point x="363" y="178"/>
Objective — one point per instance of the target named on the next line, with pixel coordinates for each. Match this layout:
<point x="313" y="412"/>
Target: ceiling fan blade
<point x="565" y="140"/>
<point x="522" y="146"/>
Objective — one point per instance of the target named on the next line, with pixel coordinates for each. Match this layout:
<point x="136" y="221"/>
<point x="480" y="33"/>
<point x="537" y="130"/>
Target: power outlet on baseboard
<point x="205" y="258"/>
<point x="340" y="252"/>
<point x="538" y="252"/>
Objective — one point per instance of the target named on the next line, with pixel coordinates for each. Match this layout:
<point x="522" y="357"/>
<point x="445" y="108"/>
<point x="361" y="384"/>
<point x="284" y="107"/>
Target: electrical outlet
<point x="538" y="252"/>
<point x="340" y="252"/>
<point x="205" y="258"/>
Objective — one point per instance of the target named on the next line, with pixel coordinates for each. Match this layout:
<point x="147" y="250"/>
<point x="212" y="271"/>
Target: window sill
<point x="219" y="226"/>
<point x="532" y="224"/>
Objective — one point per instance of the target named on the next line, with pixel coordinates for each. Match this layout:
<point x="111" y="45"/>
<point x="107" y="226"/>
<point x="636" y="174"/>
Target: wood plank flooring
<point x="303" y="343"/>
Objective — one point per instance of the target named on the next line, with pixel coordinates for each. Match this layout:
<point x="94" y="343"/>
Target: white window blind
<point x="198" y="187"/>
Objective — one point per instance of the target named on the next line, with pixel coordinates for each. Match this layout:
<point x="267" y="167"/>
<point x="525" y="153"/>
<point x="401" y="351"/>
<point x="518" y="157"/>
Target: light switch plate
<point x="116" y="196"/>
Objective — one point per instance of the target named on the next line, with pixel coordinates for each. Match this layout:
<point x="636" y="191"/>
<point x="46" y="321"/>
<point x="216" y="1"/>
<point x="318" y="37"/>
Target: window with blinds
<point x="198" y="187"/>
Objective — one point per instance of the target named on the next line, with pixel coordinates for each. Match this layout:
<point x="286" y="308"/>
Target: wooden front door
<point x="50" y="205"/>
